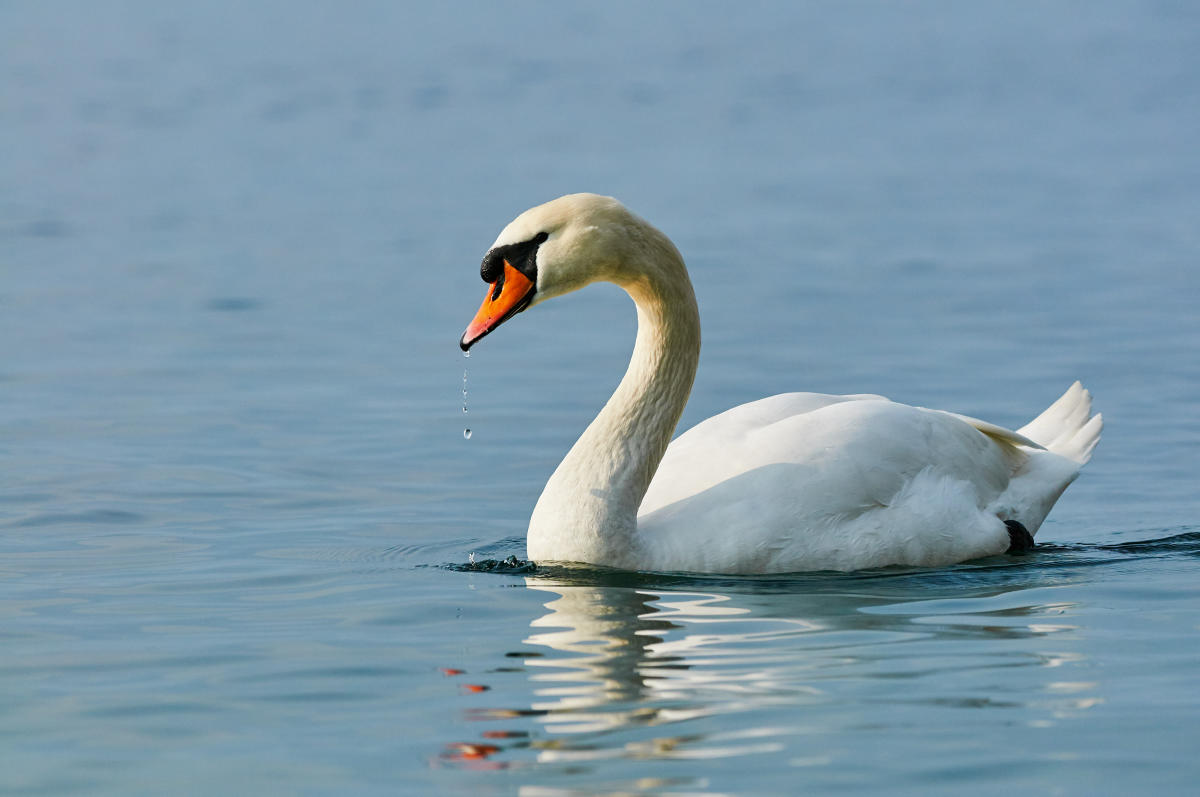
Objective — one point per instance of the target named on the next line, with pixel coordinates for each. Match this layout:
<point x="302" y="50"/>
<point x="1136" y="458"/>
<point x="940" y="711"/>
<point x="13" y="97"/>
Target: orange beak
<point x="505" y="298"/>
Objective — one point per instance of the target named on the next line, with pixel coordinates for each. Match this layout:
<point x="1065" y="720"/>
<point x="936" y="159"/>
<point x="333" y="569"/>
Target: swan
<point x="793" y="482"/>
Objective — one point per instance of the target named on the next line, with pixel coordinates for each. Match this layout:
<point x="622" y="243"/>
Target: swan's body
<point x="798" y="481"/>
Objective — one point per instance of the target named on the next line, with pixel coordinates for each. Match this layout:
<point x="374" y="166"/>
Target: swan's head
<point x="550" y="250"/>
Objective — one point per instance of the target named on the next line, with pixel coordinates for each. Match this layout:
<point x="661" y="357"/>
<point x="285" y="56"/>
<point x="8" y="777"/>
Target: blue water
<point x="238" y="246"/>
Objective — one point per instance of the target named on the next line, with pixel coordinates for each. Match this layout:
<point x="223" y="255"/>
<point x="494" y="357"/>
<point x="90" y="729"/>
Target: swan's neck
<point x="588" y="510"/>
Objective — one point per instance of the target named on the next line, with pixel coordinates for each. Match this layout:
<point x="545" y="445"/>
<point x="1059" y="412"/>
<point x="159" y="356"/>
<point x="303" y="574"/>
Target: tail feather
<point x="1067" y="427"/>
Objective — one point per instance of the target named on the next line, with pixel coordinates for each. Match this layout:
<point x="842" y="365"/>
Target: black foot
<point x="1019" y="538"/>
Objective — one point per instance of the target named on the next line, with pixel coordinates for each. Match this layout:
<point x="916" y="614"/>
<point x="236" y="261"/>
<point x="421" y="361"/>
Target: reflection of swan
<point x="629" y="663"/>
<point x="798" y="481"/>
<point x="605" y="634"/>
<point x="646" y="672"/>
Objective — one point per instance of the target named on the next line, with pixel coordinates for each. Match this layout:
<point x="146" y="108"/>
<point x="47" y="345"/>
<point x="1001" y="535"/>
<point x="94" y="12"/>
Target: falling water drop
<point x="467" y="430"/>
<point x="465" y="392"/>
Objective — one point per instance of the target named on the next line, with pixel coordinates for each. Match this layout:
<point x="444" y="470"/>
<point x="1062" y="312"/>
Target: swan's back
<point x="811" y="481"/>
<point x="719" y="448"/>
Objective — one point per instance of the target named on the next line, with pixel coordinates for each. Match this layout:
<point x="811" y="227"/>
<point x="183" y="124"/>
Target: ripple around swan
<point x="1044" y="561"/>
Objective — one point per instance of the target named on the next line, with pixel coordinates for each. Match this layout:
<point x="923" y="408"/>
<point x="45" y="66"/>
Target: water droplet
<point x="465" y="395"/>
<point x="467" y="354"/>
<point x="466" y="434"/>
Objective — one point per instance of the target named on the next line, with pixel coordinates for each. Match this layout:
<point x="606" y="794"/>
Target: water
<point x="238" y="246"/>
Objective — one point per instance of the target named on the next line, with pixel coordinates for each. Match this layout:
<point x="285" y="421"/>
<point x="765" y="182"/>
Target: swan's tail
<point x="1067" y="427"/>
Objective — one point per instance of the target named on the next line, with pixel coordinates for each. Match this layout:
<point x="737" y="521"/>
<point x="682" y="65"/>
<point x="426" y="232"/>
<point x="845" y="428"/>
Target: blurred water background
<point x="238" y="243"/>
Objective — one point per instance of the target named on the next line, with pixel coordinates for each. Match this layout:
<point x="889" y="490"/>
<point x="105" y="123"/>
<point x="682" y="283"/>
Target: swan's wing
<point x="720" y="447"/>
<point x="875" y="444"/>
<point x="844" y="483"/>
<point x="996" y="432"/>
<point x="765" y="411"/>
<point x="716" y="449"/>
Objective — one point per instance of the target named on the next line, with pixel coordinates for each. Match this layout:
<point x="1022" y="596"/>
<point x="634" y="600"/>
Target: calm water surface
<point x="238" y="246"/>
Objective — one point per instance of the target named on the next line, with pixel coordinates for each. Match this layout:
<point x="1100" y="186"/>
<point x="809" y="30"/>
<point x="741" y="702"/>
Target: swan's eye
<point x="521" y="256"/>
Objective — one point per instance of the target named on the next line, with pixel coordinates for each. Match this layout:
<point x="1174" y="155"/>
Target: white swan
<point x="798" y="481"/>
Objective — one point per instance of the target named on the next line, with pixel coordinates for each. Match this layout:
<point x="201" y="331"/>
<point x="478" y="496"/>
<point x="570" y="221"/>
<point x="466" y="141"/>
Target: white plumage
<point x="798" y="481"/>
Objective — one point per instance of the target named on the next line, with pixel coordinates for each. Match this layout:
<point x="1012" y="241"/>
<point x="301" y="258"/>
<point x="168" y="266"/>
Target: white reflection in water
<point x="632" y="650"/>
<point x="633" y="658"/>
<point x="794" y="670"/>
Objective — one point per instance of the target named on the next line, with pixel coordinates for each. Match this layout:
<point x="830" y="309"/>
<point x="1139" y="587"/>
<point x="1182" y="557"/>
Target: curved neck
<point x="588" y="509"/>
